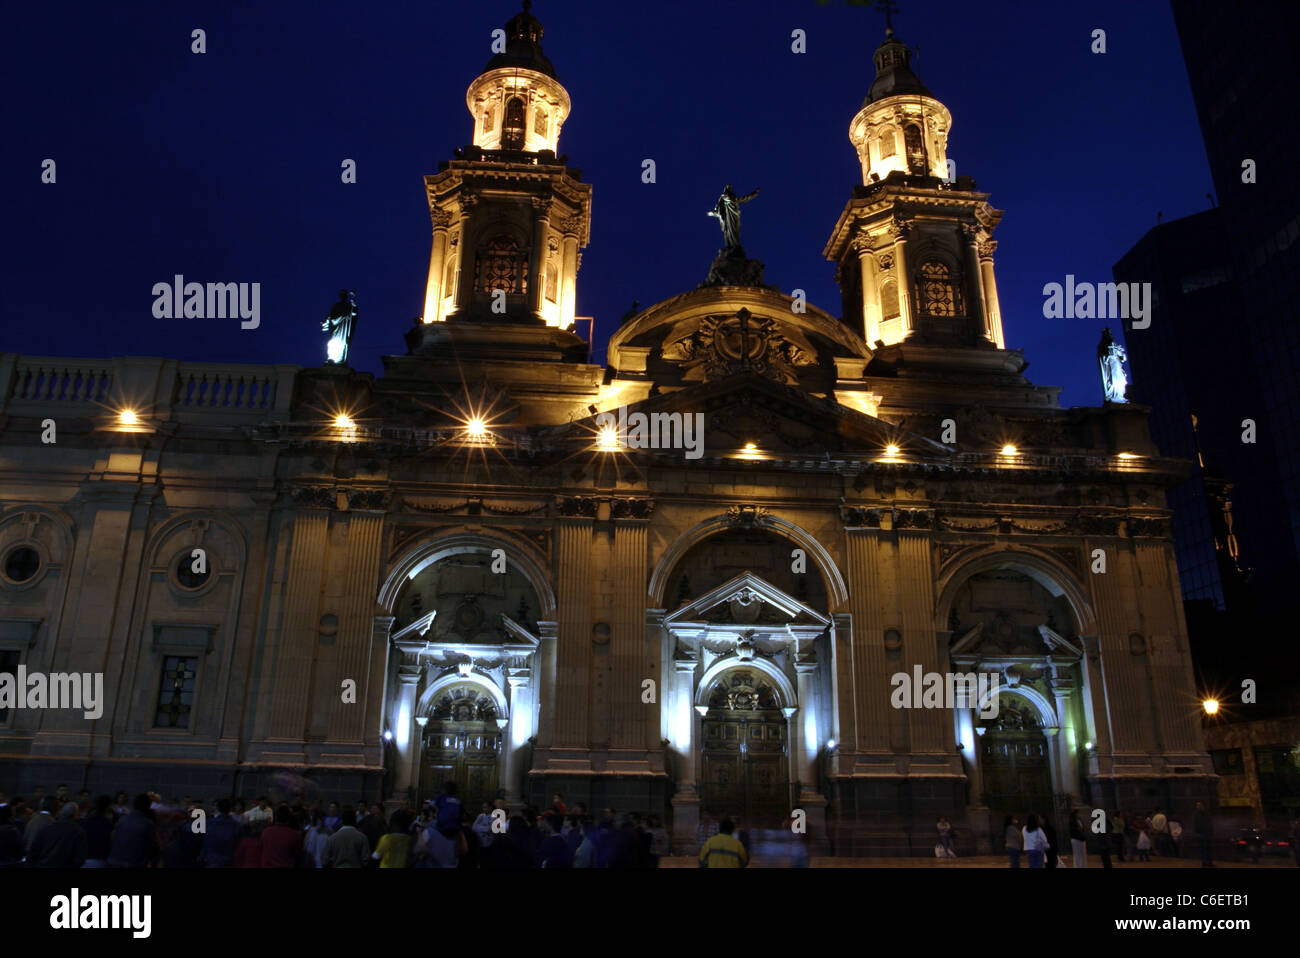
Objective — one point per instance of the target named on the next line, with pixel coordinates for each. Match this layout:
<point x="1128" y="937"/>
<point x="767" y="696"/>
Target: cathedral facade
<point x="728" y="572"/>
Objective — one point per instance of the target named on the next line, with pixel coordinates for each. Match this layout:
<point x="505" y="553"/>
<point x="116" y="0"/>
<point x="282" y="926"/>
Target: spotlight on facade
<point x="891" y="450"/>
<point x="1126" y="455"/>
<point x="1211" y="706"/>
<point x="476" y="430"/>
<point x="749" y="451"/>
<point x="128" y="417"/>
<point x="422" y="720"/>
<point x="388" y="736"/>
<point x="344" y="422"/>
<point x="1009" y="450"/>
<point x="607" y="438"/>
<point x="830" y="745"/>
<point x="1088" y="746"/>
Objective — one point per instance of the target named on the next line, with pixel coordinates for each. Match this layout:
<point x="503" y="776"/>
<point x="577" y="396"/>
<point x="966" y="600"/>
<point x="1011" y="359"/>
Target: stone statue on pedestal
<point x="1111" y="357"/>
<point x="340" y="324"/>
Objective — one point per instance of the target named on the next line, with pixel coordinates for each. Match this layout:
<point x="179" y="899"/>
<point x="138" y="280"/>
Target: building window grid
<point x="176" y="692"/>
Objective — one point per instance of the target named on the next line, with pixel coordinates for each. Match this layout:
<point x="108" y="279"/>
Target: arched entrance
<point x="1015" y="760"/>
<point x="745" y="750"/>
<point x="462" y="744"/>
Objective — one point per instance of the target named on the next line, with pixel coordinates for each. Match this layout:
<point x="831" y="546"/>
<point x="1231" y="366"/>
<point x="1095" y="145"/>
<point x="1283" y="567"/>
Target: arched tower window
<point x="889" y="300"/>
<point x="939" y="294"/>
<point x="915" y="150"/>
<point x="887" y="145"/>
<point x="500" y="266"/>
<point x="539" y="122"/>
<point x="512" y="130"/>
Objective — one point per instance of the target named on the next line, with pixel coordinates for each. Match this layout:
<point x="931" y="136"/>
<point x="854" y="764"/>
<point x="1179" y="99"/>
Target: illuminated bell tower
<point x="509" y="218"/>
<point x="914" y="246"/>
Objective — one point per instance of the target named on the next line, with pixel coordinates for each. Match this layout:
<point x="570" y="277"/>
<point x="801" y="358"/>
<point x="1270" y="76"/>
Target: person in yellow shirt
<point x="723" y="850"/>
<point x="394" y="848"/>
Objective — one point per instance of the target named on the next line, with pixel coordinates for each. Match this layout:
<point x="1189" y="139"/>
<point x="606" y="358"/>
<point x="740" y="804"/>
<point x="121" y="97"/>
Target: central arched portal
<point x="1015" y="760"/>
<point x="745" y="750"/>
<point x="462" y="744"/>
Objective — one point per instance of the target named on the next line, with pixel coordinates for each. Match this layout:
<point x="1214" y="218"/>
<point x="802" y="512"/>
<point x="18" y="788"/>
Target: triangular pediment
<point x="982" y="643"/>
<point x="748" y="599"/>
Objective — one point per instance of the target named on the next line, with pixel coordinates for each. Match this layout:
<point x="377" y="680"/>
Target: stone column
<point x="985" y="248"/>
<point x="537" y="262"/>
<point x="569" y="270"/>
<point x="545" y="689"/>
<point x="810" y="799"/>
<point x="975" y="287"/>
<point x="870" y="288"/>
<point x="931" y="729"/>
<point x="356" y="622"/>
<point x="301" y="627"/>
<point x="405" y="733"/>
<point x="870" y="670"/>
<point x="899" y="231"/>
<point x="627" y="644"/>
<point x="519" y="682"/>
<point x="573" y="655"/>
<point x="684" y="721"/>
<point x="433" y="291"/>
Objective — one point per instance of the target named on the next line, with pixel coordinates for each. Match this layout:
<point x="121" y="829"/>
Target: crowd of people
<point x="58" y="831"/>
<point x="1122" y="837"/>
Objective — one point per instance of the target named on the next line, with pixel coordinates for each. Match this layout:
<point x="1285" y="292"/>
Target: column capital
<point x="441" y="218"/>
<point x="984" y="247"/>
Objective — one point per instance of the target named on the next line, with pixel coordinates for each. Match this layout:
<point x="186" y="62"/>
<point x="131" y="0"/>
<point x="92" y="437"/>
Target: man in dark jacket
<point x="135" y="843"/>
<point x="1204" y="828"/>
<point x="61" y="844"/>
<point x="222" y="837"/>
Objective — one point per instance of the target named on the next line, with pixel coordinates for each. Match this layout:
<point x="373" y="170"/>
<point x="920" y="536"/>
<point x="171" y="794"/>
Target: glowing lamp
<point x="1211" y="706"/>
<point x="127" y="417"/>
<point x="1009" y="450"/>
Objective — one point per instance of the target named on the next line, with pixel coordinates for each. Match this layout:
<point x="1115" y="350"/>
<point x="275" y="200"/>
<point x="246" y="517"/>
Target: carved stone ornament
<point x="441" y="218"/>
<point x="745" y="517"/>
<point x="576" y="506"/>
<point x="631" y="508"/>
<point x="571" y="225"/>
<point x="719" y="346"/>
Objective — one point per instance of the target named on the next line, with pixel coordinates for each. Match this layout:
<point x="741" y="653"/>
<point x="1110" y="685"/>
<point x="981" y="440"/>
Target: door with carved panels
<point x="1015" y="764"/>
<point x="745" y="758"/>
<point x="462" y="744"/>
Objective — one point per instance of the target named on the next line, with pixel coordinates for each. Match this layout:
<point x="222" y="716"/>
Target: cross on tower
<point x="889" y="8"/>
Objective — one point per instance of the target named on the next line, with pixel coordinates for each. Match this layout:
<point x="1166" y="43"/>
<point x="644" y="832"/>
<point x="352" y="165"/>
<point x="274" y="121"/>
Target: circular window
<point x="22" y="564"/>
<point x="192" y="572"/>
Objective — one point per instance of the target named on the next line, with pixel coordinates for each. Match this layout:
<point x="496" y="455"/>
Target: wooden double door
<point x="1016" y="771"/>
<point x="746" y="764"/>
<point x="462" y="752"/>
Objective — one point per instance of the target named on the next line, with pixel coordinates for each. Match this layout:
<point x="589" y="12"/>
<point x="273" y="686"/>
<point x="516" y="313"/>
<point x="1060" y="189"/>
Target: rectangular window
<point x="176" y="691"/>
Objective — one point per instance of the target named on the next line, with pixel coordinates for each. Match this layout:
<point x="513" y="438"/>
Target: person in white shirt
<point x="482" y="826"/>
<point x="1035" y="841"/>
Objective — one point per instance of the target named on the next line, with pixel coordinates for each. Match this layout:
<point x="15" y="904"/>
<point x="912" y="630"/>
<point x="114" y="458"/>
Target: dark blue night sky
<point x="225" y="167"/>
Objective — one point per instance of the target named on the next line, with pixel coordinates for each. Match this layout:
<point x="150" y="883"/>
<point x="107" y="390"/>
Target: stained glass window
<point x="939" y="294"/>
<point x="500" y="266"/>
<point x="176" y="692"/>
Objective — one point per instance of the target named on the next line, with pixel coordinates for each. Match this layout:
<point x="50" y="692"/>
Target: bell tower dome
<point x="914" y="246"/>
<point x="517" y="102"/>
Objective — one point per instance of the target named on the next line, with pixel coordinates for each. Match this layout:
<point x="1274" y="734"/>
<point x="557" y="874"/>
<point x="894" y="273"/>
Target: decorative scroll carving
<point x="375" y="500"/>
<point x="913" y="519"/>
<point x="860" y="516"/>
<point x="571" y="225"/>
<point x="631" y="508"/>
<point x="441" y="218"/>
<point x="577" y="506"/>
<point x="718" y="346"/>
<point x="1149" y="527"/>
<point x="313" y="497"/>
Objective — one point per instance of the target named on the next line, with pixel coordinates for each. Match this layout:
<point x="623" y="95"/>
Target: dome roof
<point x="523" y="45"/>
<point x="894" y="74"/>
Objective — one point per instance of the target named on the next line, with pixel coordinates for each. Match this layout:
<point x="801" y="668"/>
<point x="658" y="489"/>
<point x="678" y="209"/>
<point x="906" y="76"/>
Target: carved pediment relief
<point x="713" y="347"/>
